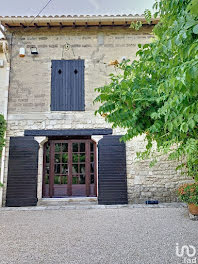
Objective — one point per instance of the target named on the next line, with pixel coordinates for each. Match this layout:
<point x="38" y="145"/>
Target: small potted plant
<point x="188" y="193"/>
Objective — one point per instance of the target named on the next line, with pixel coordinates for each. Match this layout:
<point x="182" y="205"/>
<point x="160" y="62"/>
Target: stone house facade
<point x="55" y="145"/>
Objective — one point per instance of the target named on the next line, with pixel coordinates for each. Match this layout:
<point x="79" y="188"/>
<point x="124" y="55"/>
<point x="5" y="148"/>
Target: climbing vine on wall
<point x="157" y="94"/>
<point x="2" y="132"/>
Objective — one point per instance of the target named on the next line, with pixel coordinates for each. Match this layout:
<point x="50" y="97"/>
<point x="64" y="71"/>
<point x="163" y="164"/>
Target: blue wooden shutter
<point x="67" y="93"/>
<point x="112" y="176"/>
<point x="22" y="172"/>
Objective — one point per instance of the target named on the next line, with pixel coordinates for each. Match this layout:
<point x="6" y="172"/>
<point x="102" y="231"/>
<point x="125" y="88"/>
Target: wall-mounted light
<point x="22" y="52"/>
<point x="34" y="50"/>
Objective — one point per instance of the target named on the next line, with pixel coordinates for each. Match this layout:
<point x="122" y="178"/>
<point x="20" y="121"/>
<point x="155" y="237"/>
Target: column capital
<point x="41" y="140"/>
<point x="96" y="138"/>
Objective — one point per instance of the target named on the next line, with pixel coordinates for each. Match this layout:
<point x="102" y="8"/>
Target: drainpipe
<point x="5" y="114"/>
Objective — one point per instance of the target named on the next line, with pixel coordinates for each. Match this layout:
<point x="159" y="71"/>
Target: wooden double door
<point x="70" y="168"/>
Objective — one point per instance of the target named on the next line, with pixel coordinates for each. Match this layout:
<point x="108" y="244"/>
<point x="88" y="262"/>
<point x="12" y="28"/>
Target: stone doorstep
<point x="68" y="201"/>
<point x="93" y="206"/>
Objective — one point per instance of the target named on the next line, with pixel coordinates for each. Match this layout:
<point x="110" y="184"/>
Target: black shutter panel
<point x="22" y="172"/>
<point x="67" y="93"/>
<point x="112" y="177"/>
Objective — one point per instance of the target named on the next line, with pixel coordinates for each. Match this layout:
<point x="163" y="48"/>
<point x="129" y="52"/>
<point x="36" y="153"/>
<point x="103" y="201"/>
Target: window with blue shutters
<point x="67" y="85"/>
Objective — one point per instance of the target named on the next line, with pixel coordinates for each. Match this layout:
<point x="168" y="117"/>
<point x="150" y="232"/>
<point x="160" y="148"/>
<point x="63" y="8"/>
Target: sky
<point x="73" y="7"/>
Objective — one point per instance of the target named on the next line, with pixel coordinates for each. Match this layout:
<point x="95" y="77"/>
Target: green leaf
<point x="190" y="22"/>
<point x="191" y="123"/>
<point x="196" y="118"/>
<point x="170" y="127"/>
<point x="195" y="29"/>
<point x="193" y="7"/>
<point x="184" y="127"/>
<point x="145" y="46"/>
<point x="147" y="14"/>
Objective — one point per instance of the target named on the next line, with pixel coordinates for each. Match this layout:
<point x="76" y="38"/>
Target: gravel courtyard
<point x="106" y="236"/>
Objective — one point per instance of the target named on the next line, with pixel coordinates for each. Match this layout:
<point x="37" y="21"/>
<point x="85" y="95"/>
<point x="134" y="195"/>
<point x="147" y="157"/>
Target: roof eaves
<point x="94" y="20"/>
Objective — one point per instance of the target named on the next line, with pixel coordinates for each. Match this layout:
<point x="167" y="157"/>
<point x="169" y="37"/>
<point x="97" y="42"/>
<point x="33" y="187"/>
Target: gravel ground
<point x="106" y="236"/>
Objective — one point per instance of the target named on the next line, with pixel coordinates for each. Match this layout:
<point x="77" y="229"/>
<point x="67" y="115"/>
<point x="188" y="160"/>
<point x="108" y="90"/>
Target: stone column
<point x="41" y="141"/>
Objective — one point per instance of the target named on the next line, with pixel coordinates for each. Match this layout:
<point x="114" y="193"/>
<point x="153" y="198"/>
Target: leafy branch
<point x="157" y="95"/>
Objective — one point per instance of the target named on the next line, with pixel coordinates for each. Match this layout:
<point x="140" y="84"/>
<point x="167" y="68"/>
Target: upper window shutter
<point x="22" y="172"/>
<point x="112" y="176"/>
<point x="67" y="93"/>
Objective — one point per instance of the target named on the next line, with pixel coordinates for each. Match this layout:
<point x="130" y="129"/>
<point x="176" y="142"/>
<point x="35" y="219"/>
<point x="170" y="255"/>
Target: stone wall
<point x="159" y="182"/>
<point x="30" y="86"/>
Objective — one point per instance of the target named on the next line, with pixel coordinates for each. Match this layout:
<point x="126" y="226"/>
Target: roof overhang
<point x="73" y="21"/>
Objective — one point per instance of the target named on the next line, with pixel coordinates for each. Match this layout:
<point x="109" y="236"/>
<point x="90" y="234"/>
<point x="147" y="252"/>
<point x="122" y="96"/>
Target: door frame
<point x="70" y="152"/>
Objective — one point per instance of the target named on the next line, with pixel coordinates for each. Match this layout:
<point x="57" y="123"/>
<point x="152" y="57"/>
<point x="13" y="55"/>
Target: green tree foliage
<point x="2" y="132"/>
<point x="157" y="94"/>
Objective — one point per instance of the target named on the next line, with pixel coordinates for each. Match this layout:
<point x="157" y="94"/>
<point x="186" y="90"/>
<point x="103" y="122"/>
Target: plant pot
<point x="193" y="209"/>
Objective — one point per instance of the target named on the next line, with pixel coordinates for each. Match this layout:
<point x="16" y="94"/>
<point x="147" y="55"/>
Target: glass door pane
<point x="78" y="169"/>
<point x="60" y="170"/>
